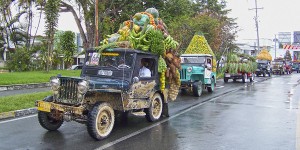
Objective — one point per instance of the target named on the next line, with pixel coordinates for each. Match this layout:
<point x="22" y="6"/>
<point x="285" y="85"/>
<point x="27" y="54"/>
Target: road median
<point x="23" y="86"/>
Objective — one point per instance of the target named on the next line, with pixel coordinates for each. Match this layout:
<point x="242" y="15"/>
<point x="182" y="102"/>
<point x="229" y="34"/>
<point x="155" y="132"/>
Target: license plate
<point x="44" y="106"/>
<point x="105" y="72"/>
<point x="227" y="75"/>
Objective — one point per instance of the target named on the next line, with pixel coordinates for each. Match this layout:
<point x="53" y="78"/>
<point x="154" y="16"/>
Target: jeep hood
<point x="196" y="68"/>
<point x="107" y="84"/>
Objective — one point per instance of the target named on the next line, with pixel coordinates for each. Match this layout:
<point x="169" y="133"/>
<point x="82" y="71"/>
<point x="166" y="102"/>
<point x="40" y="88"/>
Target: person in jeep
<point x="144" y="71"/>
<point x="208" y="65"/>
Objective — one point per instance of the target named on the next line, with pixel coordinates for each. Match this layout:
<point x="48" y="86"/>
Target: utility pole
<point x="256" y="24"/>
<point x="96" y="23"/>
<point x="275" y="40"/>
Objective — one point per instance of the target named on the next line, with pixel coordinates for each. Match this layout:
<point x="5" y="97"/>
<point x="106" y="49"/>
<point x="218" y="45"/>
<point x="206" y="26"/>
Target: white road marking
<point x="11" y="120"/>
<point x="158" y="123"/>
<point x="219" y="87"/>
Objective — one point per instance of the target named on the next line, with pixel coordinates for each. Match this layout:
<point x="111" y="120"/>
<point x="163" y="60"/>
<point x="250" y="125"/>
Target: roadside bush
<point x="19" y="60"/>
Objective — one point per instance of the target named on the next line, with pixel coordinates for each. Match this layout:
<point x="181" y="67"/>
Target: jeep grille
<point x="183" y="74"/>
<point x="68" y="91"/>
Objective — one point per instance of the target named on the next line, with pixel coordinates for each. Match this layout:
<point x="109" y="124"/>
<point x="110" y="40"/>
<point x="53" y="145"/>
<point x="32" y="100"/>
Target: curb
<point x="23" y="86"/>
<point x="18" y="113"/>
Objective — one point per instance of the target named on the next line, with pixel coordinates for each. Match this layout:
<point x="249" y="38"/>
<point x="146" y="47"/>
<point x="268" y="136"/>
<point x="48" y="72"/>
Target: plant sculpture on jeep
<point x="240" y="66"/>
<point x="126" y="74"/>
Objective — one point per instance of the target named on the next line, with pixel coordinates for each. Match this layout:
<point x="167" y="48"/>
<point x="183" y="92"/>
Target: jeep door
<point x="145" y="86"/>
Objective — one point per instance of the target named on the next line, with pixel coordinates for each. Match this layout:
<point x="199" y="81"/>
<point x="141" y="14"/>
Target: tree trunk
<point x="78" y="23"/>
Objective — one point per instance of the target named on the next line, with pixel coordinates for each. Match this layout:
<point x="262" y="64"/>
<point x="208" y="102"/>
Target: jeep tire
<point x="211" y="88"/>
<point x="197" y="88"/>
<point x="101" y="120"/>
<point x="244" y="77"/>
<point x="225" y="79"/>
<point x="252" y="78"/>
<point x="154" y="112"/>
<point x="47" y="122"/>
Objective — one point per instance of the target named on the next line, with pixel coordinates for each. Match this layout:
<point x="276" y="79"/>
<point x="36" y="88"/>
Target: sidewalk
<point x="20" y="89"/>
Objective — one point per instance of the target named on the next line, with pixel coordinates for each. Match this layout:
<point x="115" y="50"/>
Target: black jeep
<point x="109" y="84"/>
<point x="263" y="68"/>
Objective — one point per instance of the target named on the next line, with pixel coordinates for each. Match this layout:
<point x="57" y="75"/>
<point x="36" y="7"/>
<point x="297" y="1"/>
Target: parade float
<point x="264" y="60"/>
<point x="198" y="67"/>
<point x="110" y="82"/>
<point x="240" y="66"/>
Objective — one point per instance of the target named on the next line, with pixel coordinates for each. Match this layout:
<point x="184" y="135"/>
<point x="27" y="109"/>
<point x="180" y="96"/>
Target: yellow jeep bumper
<point x="48" y="106"/>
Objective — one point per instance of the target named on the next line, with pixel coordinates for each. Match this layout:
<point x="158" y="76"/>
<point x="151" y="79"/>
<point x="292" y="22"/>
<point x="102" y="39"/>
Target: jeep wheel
<point x="101" y="121"/>
<point x="47" y="122"/>
<point x="252" y="78"/>
<point x="212" y="86"/>
<point x="244" y="77"/>
<point x="225" y="79"/>
<point x="197" y="88"/>
<point x="183" y="91"/>
<point x="154" y="112"/>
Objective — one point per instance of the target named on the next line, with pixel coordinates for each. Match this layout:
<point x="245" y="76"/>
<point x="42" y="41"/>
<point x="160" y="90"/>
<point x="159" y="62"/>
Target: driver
<point x="208" y="64"/>
<point x="144" y="71"/>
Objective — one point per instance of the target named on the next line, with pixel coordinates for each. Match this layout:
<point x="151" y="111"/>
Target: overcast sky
<point x="276" y="16"/>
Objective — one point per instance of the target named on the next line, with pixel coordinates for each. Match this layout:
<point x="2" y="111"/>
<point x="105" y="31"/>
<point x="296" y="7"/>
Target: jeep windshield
<point x="193" y="60"/>
<point x="116" y="60"/>
<point x="277" y="63"/>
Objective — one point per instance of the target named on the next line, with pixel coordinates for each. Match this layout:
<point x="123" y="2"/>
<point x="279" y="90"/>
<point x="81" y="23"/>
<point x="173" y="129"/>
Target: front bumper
<point x="48" y="106"/>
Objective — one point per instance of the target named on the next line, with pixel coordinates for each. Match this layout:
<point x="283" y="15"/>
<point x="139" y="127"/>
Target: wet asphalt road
<point x="263" y="115"/>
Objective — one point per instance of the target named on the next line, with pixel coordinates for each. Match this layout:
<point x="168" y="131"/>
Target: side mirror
<point x="135" y="79"/>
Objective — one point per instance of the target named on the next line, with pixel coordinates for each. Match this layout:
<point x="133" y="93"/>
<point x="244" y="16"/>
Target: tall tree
<point x="68" y="46"/>
<point x="51" y="13"/>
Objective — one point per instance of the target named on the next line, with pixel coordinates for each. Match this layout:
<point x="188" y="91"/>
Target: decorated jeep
<point x="278" y="66"/>
<point x="196" y="73"/>
<point x="263" y="68"/>
<point x="109" y="83"/>
<point x="240" y="66"/>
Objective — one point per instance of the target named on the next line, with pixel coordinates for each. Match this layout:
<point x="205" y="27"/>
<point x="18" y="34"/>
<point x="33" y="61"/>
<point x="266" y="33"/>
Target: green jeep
<point x="196" y="73"/>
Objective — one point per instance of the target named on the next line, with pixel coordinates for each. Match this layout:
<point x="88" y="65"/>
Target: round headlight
<point x="55" y="83"/>
<point x="82" y="87"/>
<point x="189" y="69"/>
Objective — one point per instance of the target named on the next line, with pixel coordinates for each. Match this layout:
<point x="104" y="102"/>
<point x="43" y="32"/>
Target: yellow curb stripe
<point x="10" y="114"/>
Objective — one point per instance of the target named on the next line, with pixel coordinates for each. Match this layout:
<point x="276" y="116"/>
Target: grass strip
<point x="34" y="76"/>
<point x="22" y="101"/>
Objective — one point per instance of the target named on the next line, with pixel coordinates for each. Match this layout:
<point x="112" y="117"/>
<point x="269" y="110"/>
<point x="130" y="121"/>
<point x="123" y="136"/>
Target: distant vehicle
<point x="278" y="67"/>
<point x="296" y="66"/>
<point x="263" y="68"/>
<point x="75" y="67"/>
<point x="288" y="67"/>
